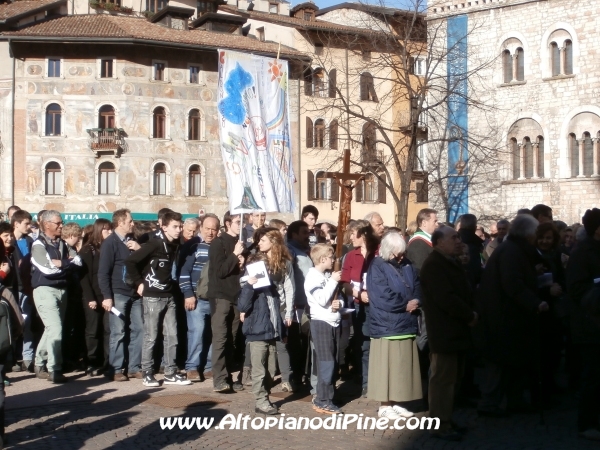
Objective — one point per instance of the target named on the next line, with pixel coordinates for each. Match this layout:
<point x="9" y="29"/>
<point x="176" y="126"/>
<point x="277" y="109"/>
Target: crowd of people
<point x="407" y="315"/>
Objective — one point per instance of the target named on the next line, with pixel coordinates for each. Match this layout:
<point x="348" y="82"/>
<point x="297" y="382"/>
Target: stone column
<point x="563" y="58"/>
<point x="521" y="160"/>
<point x="515" y="67"/>
<point x="536" y="147"/>
<point x="595" y="143"/>
<point x="581" y="153"/>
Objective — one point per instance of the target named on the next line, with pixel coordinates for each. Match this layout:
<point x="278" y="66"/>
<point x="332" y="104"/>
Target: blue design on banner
<point x="457" y="68"/>
<point x="232" y="107"/>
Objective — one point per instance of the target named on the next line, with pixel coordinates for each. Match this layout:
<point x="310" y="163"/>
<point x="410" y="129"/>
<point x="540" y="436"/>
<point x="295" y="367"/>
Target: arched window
<point x="507" y="66"/>
<point x="588" y="154"/>
<point x="333" y="135"/>
<point x="540" y="159"/>
<point x="332" y="83"/>
<point x="194" y="125"/>
<point x="520" y="64"/>
<point x="159" y="123"/>
<point x="555" y="57"/>
<point x="319" y="133"/>
<point x="516" y="159"/>
<point x="308" y="80"/>
<point x="319" y="84"/>
<point x="369" y="147"/>
<point x="195" y="185"/>
<point x="568" y="57"/>
<point x="367" y="87"/>
<point x="106" y="117"/>
<point x="107" y="179"/>
<point x="574" y="154"/>
<point x="323" y="187"/>
<point x="53" y="119"/>
<point x="160" y="179"/>
<point x="53" y="178"/>
<point x="528" y="157"/>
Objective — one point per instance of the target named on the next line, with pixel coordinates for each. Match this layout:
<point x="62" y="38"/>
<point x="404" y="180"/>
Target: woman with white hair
<point x="394" y="293"/>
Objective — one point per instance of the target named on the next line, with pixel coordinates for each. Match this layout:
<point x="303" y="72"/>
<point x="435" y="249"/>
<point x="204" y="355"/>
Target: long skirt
<point x="394" y="374"/>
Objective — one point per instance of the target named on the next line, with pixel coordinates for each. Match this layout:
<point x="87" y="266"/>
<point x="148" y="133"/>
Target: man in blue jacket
<point x="125" y="344"/>
<point x="197" y="309"/>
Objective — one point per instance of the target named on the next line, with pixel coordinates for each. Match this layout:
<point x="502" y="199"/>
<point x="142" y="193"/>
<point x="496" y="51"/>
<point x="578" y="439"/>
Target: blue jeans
<point x="199" y="336"/>
<point x="26" y="304"/>
<point x="126" y="335"/>
<point x="160" y="311"/>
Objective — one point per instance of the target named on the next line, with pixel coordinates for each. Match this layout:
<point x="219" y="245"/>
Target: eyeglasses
<point x="58" y="224"/>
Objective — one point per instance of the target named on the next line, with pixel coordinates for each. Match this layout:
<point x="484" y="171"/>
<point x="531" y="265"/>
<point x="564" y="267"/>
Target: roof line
<point x="31" y="11"/>
<point x="131" y="40"/>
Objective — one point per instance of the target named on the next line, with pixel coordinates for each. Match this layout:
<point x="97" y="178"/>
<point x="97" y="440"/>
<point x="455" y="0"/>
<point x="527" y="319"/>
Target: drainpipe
<point x="299" y="153"/>
<point x="12" y="128"/>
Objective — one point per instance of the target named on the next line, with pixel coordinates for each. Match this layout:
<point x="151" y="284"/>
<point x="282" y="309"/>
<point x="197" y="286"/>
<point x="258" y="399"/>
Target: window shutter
<point x="372" y="91"/>
<point x="411" y="65"/>
<point x="309" y="133"/>
<point x="358" y="191"/>
<point x="364" y="95"/>
<point x="332" y="83"/>
<point x="333" y="135"/>
<point x="520" y="64"/>
<point x="310" y="183"/>
<point x="335" y="190"/>
<point x="381" y="188"/>
<point x="507" y="66"/>
<point x="422" y="191"/>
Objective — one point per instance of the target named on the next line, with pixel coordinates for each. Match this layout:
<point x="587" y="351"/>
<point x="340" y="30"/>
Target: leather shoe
<point x="41" y="372"/>
<point x="270" y="410"/>
<point x="57" y="377"/>
<point x="119" y="377"/>
<point x="193" y="375"/>
<point x="137" y="375"/>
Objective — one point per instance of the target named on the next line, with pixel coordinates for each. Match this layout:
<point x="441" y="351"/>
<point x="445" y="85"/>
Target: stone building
<point x="112" y="109"/>
<point x="543" y="85"/>
<point x="343" y="42"/>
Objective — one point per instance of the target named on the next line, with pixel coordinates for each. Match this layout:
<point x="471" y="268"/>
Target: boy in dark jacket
<point x="262" y="327"/>
<point x="155" y="283"/>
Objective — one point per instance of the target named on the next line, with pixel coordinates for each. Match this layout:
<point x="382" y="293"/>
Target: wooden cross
<point x="344" y="181"/>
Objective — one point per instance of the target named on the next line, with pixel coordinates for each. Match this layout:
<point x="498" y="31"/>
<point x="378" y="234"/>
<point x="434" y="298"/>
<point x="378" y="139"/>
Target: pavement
<point x="94" y="413"/>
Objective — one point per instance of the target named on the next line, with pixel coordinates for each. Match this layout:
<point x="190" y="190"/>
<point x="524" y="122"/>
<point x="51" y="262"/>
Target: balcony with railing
<point x="107" y="141"/>
<point x="372" y="157"/>
<point x="406" y="119"/>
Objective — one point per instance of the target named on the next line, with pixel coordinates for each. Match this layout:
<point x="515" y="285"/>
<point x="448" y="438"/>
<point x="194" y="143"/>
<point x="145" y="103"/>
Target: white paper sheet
<point x="259" y="270"/>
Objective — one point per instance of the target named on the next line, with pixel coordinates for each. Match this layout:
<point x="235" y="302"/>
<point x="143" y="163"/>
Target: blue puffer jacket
<point x="257" y="323"/>
<point x="391" y="286"/>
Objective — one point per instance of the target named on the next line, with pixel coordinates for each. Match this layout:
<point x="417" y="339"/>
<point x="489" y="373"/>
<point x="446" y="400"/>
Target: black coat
<point x="508" y="303"/>
<point x="88" y="277"/>
<point x="583" y="268"/>
<point x="257" y="324"/>
<point x="475" y="245"/>
<point x="448" y="304"/>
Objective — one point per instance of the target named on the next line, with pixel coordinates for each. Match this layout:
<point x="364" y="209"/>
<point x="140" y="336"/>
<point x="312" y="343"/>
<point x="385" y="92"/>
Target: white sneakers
<point x="403" y="412"/>
<point x="394" y="412"/>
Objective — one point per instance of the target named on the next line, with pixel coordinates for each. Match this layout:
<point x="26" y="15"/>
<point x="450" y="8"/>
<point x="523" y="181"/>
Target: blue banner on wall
<point x="457" y="68"/>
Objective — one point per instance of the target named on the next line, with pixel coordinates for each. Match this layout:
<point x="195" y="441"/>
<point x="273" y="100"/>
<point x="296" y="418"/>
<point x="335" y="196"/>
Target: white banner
<point x="255" y="132"/>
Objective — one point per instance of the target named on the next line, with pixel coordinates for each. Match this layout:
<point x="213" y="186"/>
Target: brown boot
<point x="193" y="375"/>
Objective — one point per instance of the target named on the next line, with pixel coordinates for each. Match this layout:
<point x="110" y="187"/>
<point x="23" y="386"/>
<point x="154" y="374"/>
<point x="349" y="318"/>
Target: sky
<point x="403" y="4"/>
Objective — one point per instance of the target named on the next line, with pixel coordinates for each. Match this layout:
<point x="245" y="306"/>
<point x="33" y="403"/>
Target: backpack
<point x="202" y="284"/>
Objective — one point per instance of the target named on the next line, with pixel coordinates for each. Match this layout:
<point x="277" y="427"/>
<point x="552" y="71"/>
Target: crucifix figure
<point x="344" y="181"/>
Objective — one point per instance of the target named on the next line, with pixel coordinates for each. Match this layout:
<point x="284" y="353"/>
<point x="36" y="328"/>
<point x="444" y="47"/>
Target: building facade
<point x="116" y="110"/>
<point x="542" y="84"/>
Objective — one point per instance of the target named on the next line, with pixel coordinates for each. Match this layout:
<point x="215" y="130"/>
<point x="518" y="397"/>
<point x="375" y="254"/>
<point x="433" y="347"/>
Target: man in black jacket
<point x="448" y="305"/>
<point x="150" y="270"/>
<point x="225" y="258"/>
<point x="125" y="344"/>
<point x="468" y="226"/>
<point x="419" y="245"/>
<point x="583" y="276"/>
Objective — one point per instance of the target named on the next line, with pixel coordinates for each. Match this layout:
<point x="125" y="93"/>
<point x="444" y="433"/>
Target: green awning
<point x="88" y="218"/>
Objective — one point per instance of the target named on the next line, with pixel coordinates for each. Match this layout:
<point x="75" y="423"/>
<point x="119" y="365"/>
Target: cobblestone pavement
<point x="92" y="413"/>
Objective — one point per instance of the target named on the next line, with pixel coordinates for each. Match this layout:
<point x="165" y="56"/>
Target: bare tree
<point x="387" y="91"/>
